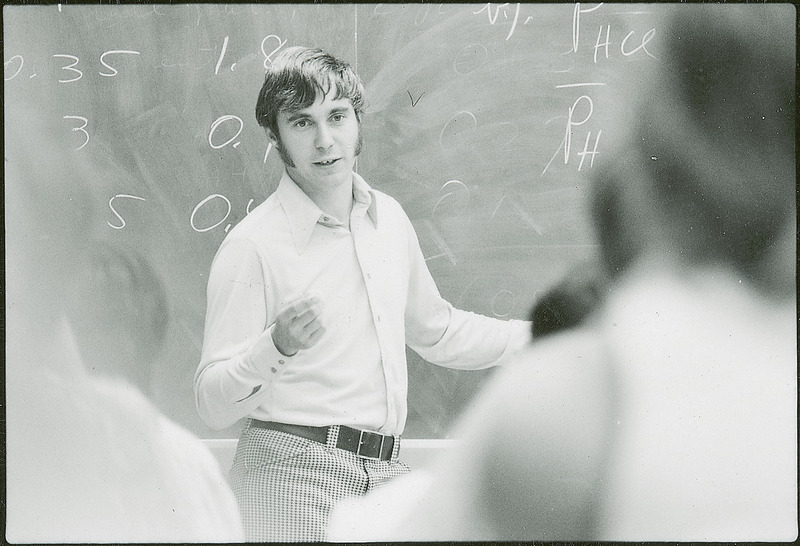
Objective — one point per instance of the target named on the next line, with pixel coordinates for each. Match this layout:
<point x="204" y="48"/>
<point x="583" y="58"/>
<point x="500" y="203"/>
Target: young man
<point x="312" y="299"/>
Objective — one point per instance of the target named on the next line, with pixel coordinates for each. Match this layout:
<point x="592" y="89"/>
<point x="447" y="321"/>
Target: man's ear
<point x="273" y="138"/>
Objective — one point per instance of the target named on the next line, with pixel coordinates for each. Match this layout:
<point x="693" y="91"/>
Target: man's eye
<point x="337" y="117"/>
<point x="301" y="123"/>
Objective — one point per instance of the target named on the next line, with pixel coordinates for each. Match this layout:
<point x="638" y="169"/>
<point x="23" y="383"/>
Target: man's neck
<point x="337" y="202"/>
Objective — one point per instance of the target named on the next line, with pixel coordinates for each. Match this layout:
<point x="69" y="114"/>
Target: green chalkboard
<point x="483" y="120"/>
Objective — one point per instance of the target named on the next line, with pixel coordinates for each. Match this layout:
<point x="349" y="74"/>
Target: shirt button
<point x="281" y="362"/>
<point x="326" y="219"/>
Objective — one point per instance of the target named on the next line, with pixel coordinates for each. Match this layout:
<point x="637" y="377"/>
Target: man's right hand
<point x="298" y="325"/>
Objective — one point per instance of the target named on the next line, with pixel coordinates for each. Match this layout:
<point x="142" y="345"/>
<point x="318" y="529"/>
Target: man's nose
<point x="323" y="138"/>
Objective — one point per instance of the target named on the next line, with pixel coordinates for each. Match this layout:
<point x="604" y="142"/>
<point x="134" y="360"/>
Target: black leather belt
<point x="365" y="444"/>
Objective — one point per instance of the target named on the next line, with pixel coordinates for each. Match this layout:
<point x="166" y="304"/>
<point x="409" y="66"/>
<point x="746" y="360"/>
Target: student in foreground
<point x="673" y="415"/>
<point x="89" y="458"/>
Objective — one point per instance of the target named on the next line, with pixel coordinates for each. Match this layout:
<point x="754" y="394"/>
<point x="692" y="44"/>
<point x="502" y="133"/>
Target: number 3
<point x="82" y="129"/>
<point x="70" y="67"/>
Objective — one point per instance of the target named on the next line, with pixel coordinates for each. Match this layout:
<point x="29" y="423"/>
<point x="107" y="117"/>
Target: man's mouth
<point x="326" y="162"/>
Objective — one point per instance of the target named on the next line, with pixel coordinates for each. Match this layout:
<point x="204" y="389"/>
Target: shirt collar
<point x="303" y="214"/>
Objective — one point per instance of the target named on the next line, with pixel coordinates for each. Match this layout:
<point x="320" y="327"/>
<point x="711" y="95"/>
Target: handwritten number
<point x="216" y="124"/>
<point x="203" y="202"/>
<point x="221" y="55"/>
<point x="268" y="56"/>
<point x="111" y="206"/>
<point x="114" y="52"/>
<point x="70" y="67"/>
<point x="82" y="129"/>
<point x="5" y="67"/>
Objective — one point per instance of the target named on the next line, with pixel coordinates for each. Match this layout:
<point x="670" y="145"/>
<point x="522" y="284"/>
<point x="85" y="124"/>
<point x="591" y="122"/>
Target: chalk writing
<point x="419" y="20"/>
<point x="583" y="84"/>
<point x="441" y="242"/>
<point x="203" y="202"/>
<point x="493" y="16"/>
<point x="114" y="52"/>
<point x="414" y="102"/>
<point x="520" y="211"/>
<point x="70" y="67"/>
<point x="111" y="206"/>
<point x="82" y="129"/>
<point x="605" y="44"/>
<point x="75" y="60"/>
<point x="505" y="297"/>
<point x="221" y="55"/>
<point x="220" y="120"/>
<point x="645" y="39"/>
<point x="453" y="186"/>
<point x="470" y="58"/>
<point x="460" y="122"/>
<point x="571" y="122"/>
<point x="576" y="23"/>
<point x="268" y="56"/>
<point x="11" y="62"/>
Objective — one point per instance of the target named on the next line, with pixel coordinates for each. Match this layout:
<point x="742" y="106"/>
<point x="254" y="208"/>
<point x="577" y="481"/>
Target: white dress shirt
<point x="377" y="296"/>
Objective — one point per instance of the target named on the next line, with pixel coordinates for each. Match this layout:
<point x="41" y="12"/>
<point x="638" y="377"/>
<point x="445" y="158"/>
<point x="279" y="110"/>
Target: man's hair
<point x="295" y="78"/>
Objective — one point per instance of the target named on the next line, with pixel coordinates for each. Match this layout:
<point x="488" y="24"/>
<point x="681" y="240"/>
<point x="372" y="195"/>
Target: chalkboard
<point x="483" y="120"/>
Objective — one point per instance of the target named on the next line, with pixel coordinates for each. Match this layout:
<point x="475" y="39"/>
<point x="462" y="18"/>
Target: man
<point x="311" y="301"/>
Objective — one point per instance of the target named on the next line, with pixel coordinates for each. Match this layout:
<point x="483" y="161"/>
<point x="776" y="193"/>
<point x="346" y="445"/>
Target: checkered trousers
<point x="286" y="485"/>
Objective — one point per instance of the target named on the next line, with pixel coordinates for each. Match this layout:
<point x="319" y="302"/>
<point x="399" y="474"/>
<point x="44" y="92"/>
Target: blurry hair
<point x="297" y="76"/>
<point x="619" y="238"/>
<point x="708" y="151"/>
<point x="570" y="301"/>
<point x="117" y="309"/>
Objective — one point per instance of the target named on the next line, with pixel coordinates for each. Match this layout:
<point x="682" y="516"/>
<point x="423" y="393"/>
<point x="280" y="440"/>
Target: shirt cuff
<point x="270" y="362"/>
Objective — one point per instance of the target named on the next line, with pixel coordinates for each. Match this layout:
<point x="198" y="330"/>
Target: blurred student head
<point x="703" y="169"/>
<point x="570" y="302"/>
<point x="117" y="310"/>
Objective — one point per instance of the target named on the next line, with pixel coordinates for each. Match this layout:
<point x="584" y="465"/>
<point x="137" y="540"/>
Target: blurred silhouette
<point x="117" y="308"/>
<point x="674" y="415"/>
<point x="89" y="458"/>
<point x="570" y="302"/>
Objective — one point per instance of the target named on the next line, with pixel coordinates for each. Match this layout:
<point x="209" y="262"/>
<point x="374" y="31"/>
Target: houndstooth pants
<point x="286" y="485"/>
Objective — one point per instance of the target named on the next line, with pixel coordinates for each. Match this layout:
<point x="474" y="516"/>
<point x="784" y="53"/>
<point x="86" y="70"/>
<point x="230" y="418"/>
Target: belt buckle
<point x="361" y="443"/>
